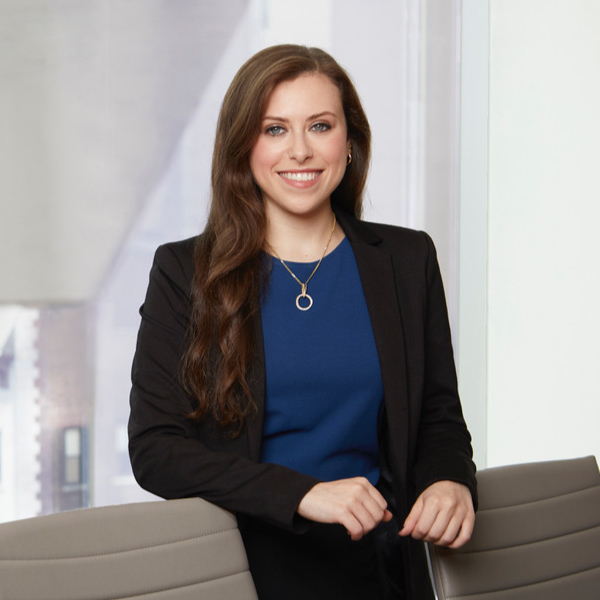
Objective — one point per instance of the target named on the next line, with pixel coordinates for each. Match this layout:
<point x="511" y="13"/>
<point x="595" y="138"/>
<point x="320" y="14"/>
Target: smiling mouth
<point x="302" y="176"/>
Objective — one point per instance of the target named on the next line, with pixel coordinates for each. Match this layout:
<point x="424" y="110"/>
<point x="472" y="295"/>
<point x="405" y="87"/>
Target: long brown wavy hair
<point x="229" y="272"/>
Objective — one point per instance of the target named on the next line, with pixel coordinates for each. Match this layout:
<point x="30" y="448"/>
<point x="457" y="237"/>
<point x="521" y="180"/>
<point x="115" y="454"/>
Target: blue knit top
<point x="323" y="379"/>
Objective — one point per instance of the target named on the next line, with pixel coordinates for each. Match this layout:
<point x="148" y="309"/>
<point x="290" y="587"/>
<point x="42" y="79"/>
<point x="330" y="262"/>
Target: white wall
<point x="543" y="210"/>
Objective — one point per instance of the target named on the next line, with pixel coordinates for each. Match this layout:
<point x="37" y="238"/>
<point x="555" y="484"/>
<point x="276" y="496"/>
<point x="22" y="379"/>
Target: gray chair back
<point x="536" y="536"/>
<point x="166" y="550"/>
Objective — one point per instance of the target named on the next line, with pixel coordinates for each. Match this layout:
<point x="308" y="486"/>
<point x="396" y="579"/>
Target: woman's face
<point x="300" y="155"/>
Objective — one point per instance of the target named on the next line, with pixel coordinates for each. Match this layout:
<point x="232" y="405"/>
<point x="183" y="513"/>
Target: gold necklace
<point x="303" y="293"/>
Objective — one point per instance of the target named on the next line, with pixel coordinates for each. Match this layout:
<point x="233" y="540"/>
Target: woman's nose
<point x="300" y="148"/>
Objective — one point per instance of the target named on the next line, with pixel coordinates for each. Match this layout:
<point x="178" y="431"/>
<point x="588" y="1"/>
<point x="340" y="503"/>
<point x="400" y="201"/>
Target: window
<point x="72" y="455"/>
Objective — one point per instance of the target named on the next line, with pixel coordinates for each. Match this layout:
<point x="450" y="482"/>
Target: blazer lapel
<point x="376" y="269"/>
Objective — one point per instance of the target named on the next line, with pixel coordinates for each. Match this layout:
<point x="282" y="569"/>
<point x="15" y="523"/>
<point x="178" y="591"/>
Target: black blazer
<point x="423" y="436"/>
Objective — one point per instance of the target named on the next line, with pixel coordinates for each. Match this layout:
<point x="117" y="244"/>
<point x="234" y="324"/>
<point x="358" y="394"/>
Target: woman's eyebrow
<point x="311" y="118"/>
<point x="325" y="113"/>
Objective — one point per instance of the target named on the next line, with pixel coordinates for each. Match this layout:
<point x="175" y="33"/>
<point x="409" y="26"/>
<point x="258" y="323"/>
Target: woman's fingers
<point x="413" y="517"/>
<point x="465" y="531"/>
<point x="354" y="503"/>
<point x="443" y="514"/>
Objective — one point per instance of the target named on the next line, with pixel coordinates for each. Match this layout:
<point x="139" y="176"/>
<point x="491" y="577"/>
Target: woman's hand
<point x="443" y="514"/>
<point x="354" y="503"/>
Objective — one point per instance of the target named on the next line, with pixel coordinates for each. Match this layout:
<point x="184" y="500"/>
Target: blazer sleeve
<point x="173" y="456"/>
<point x="443" y="448"/>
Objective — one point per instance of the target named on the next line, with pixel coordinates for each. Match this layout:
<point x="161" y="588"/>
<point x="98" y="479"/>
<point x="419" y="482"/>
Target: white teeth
<point x="305" y="176"/>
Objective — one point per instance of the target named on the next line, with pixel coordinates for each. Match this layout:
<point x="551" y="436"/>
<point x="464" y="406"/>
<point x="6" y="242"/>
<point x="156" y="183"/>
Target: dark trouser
<point x="323" y="563"/>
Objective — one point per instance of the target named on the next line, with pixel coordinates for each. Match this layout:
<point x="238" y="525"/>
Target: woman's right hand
<point x="354" y="503"/>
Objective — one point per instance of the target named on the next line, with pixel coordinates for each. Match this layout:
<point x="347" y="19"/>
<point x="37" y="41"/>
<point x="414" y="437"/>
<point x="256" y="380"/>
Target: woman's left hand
<point x="443" y="515"/>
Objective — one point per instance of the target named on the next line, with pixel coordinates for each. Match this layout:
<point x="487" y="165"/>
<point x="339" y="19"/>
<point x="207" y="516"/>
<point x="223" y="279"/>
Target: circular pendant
<point x="304" y="295"/>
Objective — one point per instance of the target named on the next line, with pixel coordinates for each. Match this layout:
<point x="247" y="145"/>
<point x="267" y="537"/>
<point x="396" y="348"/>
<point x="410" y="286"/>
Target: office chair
<point x="167" y="550"/>
<point x="536" y="536"/>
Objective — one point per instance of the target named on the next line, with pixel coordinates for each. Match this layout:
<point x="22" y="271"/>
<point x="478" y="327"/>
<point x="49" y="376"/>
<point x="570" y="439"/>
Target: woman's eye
<point x="274" y="130"/>
<point x="320" y="127"/>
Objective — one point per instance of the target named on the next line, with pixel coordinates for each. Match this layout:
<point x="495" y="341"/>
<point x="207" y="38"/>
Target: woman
<point x="294" y="363"/>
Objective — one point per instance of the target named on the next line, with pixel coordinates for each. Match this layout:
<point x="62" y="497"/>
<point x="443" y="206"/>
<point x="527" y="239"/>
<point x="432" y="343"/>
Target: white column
<point x="471" y="341"/>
